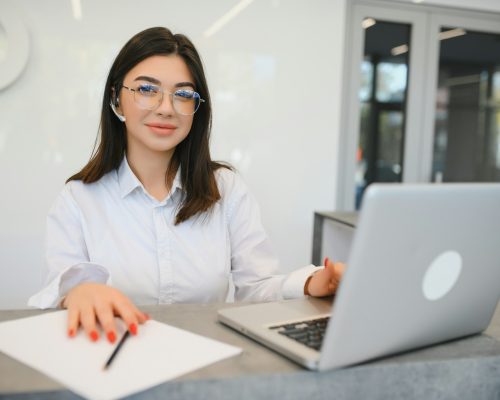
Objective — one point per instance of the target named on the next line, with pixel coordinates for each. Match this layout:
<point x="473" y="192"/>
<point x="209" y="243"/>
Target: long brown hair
<point x="192" y="155"/>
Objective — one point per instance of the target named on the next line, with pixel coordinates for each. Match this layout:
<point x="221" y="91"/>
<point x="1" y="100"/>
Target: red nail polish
<point x="94" y="336"/>
<point x="325" y="263"/>
<point x="71" y="332"/>
<point x="133" y="329"/>
<point x="111" y="337"/>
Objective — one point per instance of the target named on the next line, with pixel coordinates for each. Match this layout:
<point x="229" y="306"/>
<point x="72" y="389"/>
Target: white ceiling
<point x="483" y="5"/>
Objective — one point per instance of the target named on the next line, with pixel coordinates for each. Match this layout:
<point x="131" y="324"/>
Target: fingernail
<point x="133" y="329"/>
<point x="71" y="332"/>
<point x="111" y="337"/>
<point x="94" y="336"/>
<point x="325" y="263"/>
<point x="147" y="316"/>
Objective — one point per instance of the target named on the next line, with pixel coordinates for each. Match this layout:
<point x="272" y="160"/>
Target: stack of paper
<point x="158" y="353"/>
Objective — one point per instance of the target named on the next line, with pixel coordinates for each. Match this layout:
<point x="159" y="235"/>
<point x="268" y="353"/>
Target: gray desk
<point x="467" y="369"/>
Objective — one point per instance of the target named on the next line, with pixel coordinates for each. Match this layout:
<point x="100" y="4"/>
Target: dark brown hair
<point x="192" y="155"/>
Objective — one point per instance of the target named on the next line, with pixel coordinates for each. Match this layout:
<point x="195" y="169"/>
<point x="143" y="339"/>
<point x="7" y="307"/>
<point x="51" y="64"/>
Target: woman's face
<point x="161" y="129"/>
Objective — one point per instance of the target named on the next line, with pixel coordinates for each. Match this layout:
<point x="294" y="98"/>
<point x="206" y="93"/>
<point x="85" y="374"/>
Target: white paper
<point x="158" y="353"/>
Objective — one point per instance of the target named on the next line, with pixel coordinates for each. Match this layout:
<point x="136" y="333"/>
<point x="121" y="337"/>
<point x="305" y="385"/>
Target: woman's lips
<point x="162" y="129"/>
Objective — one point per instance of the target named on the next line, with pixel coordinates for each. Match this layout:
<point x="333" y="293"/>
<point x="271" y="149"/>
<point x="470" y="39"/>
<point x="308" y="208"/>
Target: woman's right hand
<point x="91" y="303"/>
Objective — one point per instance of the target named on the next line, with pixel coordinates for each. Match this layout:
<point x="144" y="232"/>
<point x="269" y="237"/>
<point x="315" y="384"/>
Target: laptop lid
<point x="423" y="268"/>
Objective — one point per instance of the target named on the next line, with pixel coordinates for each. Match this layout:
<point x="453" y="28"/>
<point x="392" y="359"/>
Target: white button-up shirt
<point x="112" y="231"/>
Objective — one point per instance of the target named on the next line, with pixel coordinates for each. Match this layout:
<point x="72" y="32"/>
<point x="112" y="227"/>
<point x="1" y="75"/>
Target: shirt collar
<point x="129" y="182"/>
<point x="177" y="184"/>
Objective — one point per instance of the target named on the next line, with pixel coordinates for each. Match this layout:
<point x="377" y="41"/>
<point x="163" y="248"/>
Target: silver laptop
<point x="424" y="267"/>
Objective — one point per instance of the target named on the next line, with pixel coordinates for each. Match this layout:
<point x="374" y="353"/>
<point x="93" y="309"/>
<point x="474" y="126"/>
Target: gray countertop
<point x="349" y="218"/>
<point x="467" y="368"/>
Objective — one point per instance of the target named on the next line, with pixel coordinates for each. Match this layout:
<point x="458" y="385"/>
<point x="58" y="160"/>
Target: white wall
<point x="275" y="77"/>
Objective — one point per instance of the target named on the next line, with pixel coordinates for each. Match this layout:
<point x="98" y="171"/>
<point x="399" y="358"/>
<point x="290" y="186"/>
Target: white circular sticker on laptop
<point x="442" y="275"/>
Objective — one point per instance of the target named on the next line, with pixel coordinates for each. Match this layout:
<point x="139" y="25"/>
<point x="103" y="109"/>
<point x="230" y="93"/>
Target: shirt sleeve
<point x="67" y="260"/>
<point x="254" y="266"/>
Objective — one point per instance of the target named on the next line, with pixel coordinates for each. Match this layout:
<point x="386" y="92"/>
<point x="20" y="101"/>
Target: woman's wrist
<point x="306" y="285"/>
<point x="61" y="303"/>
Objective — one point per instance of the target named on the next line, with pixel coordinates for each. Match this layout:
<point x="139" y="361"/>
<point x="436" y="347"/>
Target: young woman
<point x="151" y="219"/>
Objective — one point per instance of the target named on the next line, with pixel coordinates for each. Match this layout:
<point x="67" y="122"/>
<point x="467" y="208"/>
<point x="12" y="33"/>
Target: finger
<point x="339" y="269"/>
<point x="334" y="282"/>
<point x="329" y="263"/>
<point x="104" y="313"/>
<point x="335" y="272"/>
<point x="336" y="268"/>
<point x="88" y="321"/>
<point x="141" y="316"/>
<point x="73" y="321"/>
<point x="331" y="268"/>
<point x="126" y="311"/>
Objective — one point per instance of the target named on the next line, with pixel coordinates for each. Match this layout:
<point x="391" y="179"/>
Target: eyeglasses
<point x="149" y="97"/>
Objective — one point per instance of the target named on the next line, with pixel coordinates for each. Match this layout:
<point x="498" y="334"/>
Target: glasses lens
<point x="148" y="96"/>
<point x="186" y="102"/>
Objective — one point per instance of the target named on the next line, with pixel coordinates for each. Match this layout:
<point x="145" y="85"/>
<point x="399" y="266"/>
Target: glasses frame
<point x="162" y="91"/>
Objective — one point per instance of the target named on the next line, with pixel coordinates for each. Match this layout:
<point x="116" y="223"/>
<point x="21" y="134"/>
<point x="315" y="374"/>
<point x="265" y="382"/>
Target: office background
<point x="278" y="74"/>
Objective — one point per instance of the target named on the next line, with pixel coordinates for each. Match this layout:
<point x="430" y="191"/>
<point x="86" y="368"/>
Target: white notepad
<point x="158" y="353"/>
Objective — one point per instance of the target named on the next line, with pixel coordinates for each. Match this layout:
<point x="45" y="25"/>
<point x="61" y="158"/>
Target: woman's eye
<point x="147" y="89"/>
<point x="185" y="94"/>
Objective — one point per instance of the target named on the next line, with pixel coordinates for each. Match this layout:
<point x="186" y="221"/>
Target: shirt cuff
<point x="50" y="296"/>
<point x="293" y="286"/>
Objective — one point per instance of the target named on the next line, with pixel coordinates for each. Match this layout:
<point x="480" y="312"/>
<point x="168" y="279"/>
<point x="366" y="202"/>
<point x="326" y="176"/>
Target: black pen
<point x="117" y="348"/>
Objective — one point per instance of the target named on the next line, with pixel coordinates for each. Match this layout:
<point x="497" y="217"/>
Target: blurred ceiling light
<point x="451" y="33"/>
<point x="76" y="5"/>
<point x="233" y="12"/>
<point x="398" y="50"/>
<point x="367" y="22"/>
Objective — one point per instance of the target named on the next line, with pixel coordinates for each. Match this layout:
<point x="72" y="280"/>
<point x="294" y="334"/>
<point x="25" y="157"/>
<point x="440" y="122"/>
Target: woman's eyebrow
<point x="148" y="79"/>
<point x="157" y="82"/>
<point x="181" y="84"/>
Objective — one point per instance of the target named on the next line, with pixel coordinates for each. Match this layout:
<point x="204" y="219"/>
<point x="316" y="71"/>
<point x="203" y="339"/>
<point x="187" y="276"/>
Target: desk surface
<point x="467" y="368"/>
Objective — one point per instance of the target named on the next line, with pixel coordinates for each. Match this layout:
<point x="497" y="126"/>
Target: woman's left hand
<point x="325" y="281"/>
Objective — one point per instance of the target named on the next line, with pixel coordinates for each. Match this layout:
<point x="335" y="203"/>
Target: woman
<point x="151" y="219"/>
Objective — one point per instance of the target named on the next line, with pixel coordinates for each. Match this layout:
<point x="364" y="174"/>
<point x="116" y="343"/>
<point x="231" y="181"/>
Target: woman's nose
<point x="166" y="106"/>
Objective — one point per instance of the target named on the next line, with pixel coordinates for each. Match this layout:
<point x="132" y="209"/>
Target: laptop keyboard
<point x="309" y="333"/>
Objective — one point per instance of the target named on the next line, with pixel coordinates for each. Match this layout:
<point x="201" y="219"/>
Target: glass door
<point x="384" y="117"/>
<point x="382" y="97"/>
<point x="465" y="145"/>
<point x="423" y="90"/>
